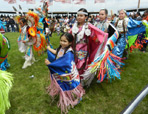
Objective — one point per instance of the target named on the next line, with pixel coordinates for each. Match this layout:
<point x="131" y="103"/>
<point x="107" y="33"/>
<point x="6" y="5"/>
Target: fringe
<point x="67" y="99"/>
<point x="87" y="77"/>
<point x="5" y="86"/>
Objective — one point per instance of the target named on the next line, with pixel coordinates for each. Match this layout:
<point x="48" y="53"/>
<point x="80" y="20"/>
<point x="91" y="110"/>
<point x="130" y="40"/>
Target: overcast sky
<point x="114" y="5"/>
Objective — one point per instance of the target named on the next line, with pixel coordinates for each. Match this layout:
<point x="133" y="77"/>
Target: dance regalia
<point x="5" y="77"/>
<point x="39" y="37"/>
<point x="102" y="25"/>
<point x="121" y="42"/>
<point x="142" y="35"/>
<point x="65" y="80"/>
<point x="4" y="48"/>
<point x="42" y="28"/>
<point x="89" y="43"/>
<point x="2" y="27"/>
<point x="135" y="34"/>
<point x="25" y="43"/>
<point x="43" y="24"/>
<point x="105" y="26"/>
<point x="103" y="62"/>
<point x="5" y="86"/>
<point x="106" y="63"/>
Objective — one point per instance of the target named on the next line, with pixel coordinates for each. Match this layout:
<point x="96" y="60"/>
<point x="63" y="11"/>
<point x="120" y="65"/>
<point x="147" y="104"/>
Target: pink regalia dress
<point x="88" y="44"/>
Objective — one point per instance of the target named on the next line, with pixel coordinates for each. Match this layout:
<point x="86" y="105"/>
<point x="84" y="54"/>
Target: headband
<point x="80" y="12"/>
<point x="123" y="10"/>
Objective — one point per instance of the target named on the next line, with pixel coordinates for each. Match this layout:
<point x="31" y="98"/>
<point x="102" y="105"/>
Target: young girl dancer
<point x="65" y="80"/>
<point x="89" y="43"/>
<point x="103" y="24"/>
<point x="121" y="25"/>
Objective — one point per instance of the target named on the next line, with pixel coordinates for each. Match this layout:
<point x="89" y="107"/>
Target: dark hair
<point x="70" y="38"/>
<point x="146" y="11"/>
<point x="83" y="10"/>
<point x="138" y="13"/>
<point x="23" y="20"/>
<point x="106" y="11"/>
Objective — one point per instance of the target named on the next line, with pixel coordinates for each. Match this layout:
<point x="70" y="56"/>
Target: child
<point x="67" y="28"/>
<point x="89" y="42"/>
<point x="25" y="42"/>
<point x="58" y="29"/>
<point x="65" y="80"/>
<point x="122" y="27"/>
<point x="103" y="23"/>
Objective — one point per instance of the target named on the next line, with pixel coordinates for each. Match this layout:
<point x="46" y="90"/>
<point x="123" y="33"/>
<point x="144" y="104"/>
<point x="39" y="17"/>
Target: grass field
<point x="28" y="95"/>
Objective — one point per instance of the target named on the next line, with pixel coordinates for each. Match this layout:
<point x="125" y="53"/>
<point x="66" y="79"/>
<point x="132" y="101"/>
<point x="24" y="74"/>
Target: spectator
<point x="58" y="29"/>
<point x="7" y="25"/>
<point x="138" y="16"/>
<point x="12" y="23"/>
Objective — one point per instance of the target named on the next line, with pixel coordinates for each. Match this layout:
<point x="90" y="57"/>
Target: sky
<point x="113" y="5"/>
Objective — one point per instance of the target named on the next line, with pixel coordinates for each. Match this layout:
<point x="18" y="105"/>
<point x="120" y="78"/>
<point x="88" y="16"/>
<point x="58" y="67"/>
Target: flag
<point x="11" y="1"/>
<point x="63" y="1"/>
<point x="79" y="1"/>
<point x="30" y="1"/>
<point x="22" y="0"/>
<point x="99" y="1"/>
<point x="66" y="1"/>
<point x="58" y="0"/>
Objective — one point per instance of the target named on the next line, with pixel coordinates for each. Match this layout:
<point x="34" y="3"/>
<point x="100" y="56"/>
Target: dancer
<point x="25" y="43"/>
<point x="89" y="42"/>
<point x="4" y="48"/>
<point x="65" y="80"/>
<point x="43" y="24"/>
<point x="103" y="24"/>
<point x="121" y="26"/>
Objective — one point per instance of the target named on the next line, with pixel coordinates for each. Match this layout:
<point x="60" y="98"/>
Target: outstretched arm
<point x="51" y="50"/>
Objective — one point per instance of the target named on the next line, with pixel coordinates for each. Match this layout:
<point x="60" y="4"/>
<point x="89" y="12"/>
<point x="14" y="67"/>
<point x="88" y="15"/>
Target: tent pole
<point x="138" y="5"/>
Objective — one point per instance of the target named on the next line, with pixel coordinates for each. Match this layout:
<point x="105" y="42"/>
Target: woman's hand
<point x="47" y="62"/>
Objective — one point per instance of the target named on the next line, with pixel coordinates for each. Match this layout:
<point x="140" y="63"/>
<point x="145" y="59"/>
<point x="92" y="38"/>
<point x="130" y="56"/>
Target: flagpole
<point x="52" y="9"/>
<point x="138" y="5"/>
<point x="72" y="6"/>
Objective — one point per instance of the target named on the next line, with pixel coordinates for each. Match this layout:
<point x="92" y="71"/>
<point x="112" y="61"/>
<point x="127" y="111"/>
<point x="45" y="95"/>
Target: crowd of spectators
<point x="62" y="24"/>
<point x="9" y="23"/>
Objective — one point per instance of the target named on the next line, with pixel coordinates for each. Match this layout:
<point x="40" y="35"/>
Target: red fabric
<point x="96" y="38"/>
<point x="2" y="31"/>
<point x="29" y="1"/>
<point x="79" y="1"/>
<point x="63" y="1"/>
<point x="145" y="18"/>
<point x="11" y="1"/>
<point x="99" y="1"/>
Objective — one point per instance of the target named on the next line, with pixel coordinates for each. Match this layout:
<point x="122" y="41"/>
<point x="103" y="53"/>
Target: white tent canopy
<point x="113" y="5"/>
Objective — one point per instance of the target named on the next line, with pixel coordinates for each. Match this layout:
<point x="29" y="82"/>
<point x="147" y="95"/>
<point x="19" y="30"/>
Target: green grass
<point x="28" y="95"/>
